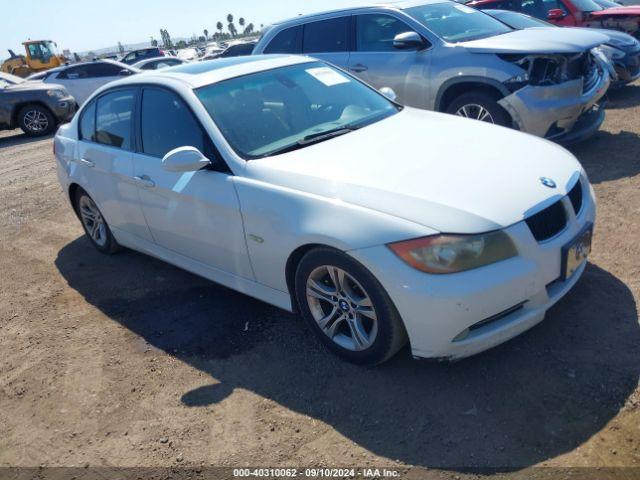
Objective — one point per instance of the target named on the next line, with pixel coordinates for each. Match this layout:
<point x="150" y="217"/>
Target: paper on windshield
<point x="327" y="76"/>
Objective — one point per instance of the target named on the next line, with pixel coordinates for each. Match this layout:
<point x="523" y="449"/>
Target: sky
<point x="82" y="25"/>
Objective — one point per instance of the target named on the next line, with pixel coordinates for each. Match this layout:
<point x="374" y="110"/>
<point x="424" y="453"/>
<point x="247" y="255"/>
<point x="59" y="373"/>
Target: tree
<point x="181" y="44"/>
<point x="241" y="21"/>
<point x="166" y="39"/>
<point x="249" y="29"/>
<point x="219" y="26"/>
<point x="120" y="48"/>
<point x="230" y="18"/>
<point x="206" y="34"/>
<point x="154" y="42"/>
<point x="232" y="29"/>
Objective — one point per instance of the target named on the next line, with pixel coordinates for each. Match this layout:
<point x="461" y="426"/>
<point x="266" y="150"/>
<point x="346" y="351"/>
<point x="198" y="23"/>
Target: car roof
<point x="155" y="59"/>
<point x="198" y="74"/>
<point x="400" y="5"/>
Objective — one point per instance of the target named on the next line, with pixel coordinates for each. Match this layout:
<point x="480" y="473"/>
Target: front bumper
<point x="64" y="108"/>
<point x="553" y="111"/>
<point x="438" y="310"/>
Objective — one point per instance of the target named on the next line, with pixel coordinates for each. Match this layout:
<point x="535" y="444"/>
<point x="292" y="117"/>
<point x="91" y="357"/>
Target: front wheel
<point x="480" y="106"/>
<point x="36" y="120"/>
<point x="347" y="307"/>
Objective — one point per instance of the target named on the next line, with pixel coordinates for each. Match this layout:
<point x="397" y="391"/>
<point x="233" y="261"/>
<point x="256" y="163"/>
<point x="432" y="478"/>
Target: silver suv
<point x="444" y="56"/>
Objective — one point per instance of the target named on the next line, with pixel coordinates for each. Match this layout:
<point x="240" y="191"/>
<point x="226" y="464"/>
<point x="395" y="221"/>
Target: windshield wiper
<point x="327" y="134"/>
<point x="314" y="138"/>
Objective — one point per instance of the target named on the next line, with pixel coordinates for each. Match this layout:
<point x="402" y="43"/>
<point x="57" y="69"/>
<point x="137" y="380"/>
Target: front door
<point x="194" y="214"/>
<point x="377" y="62"/>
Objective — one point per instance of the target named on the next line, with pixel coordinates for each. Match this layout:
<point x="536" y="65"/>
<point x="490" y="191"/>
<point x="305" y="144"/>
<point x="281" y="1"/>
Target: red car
<point x="573" y="13"/>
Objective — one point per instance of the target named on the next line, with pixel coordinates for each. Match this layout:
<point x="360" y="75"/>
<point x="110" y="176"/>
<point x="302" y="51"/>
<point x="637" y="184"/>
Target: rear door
<point x="328" y="40"/>
<point x="105" y="158"/>
<point x="194" y="214"/>
<point x="377" y="62"/>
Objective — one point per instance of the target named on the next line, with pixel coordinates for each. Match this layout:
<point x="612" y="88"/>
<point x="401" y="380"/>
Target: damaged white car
<point x="443" y="56"/>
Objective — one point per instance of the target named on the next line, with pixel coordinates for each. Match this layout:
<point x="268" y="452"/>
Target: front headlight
<point x="455" y="253"/>
<point x="56" y="93"/>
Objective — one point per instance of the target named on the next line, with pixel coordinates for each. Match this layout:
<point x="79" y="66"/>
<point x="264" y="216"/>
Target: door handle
<point x="87" y="163"/>
<point x="144" y="181"/>
<point x="359" y="67"/>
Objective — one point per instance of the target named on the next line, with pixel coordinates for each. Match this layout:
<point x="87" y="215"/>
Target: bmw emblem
<point x="547" y="182"/>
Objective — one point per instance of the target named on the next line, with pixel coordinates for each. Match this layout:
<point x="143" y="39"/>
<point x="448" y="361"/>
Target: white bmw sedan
<point x="291" y="181"/>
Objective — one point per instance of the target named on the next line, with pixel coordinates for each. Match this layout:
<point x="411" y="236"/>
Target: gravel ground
<point x="128" y="361"/>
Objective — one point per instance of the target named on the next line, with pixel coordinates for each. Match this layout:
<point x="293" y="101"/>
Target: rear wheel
<point x="480" y="106"/>
<point x="94" y="224"/>
<point x="36" y="120"/>
<point x="347" y="307"/>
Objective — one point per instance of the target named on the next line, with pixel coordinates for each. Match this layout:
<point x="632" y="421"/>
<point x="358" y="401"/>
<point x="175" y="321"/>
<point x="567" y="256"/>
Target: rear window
<point x="326" y="36"/>
<point x="287" y="41"/>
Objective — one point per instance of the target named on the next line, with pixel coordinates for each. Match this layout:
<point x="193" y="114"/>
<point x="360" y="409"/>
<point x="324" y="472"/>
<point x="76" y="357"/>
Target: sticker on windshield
<point x="464" y="8"/>
<point x="327" y="76"/>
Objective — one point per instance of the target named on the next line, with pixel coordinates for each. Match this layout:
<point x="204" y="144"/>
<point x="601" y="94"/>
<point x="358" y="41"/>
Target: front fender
<point x="279" y="220"/>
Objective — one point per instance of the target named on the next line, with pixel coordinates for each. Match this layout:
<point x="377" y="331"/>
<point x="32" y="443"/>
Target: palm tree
<point x="249" y="29"/>
<point x="206" y="34"/>
<point x="219" y="26"/>
<point x="241" y="22"/>
<point x="230" y="18"/>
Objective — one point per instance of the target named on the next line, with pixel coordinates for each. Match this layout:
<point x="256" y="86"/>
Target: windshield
<point x="268" y="112"/>
<point x="457" y="23"/>
<point x="587" y="5"/>
<point x="518" y="20"/>
<point x="6" y="79"/>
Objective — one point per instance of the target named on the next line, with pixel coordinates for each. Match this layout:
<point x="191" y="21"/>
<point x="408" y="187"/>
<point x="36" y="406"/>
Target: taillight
<point x="161" y="52"/>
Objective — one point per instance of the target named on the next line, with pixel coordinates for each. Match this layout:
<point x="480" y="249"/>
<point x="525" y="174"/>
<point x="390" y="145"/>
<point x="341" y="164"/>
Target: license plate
<point x="576" y="252"/>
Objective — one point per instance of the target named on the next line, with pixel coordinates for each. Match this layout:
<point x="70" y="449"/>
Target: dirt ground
<point x="128" y="361"/>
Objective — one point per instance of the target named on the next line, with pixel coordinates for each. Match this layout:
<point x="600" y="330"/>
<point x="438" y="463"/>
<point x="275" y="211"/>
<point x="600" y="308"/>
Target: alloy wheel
<point x="342" y="308"/>
<point x="36" y="121"/>
<point x="93" y="221"/>
<point x="475" y="112"/>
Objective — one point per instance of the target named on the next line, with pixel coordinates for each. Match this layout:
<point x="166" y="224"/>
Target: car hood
<point x="444" y="172"/>
<point x="31" y="85"/>
<point x="537" y="40"/>
<point x="622" y="37"/>
<point x="617" y="11"/>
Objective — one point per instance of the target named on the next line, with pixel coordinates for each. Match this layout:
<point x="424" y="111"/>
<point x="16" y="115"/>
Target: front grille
<point x="575" y="195"/>
<point x="548" y="223"/>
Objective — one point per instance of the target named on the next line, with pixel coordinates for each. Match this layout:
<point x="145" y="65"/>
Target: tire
<point x="36" y="120"/>
<point x="94" y="224"/>
<point x="357" y="321"/>
<point x="478" y="104"/>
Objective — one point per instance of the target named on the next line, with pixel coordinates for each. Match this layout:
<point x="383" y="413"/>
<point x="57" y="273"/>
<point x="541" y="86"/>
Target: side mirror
<point x="124" y="72"/>
<point x="184" y="159"/>
<point x="389" y="93"/>
<point x="555" y="14"/>
<point x="407" y="40"/>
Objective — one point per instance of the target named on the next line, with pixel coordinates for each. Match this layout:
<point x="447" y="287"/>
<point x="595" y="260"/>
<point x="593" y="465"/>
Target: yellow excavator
<point x="40" y="55"/>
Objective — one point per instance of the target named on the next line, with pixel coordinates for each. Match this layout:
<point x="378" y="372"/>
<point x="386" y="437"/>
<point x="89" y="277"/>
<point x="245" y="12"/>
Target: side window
<point x="375" y="33"/>
<point x="114" y="113"/>
<point x="326" y="36"/>
<point x="88" y="123"/>
<point x="74" y="73"/>
<point x="130" y="57"/>
<point x="166" y="123"/>
<point x="287" y="41"/>
<point x="96" y="70"/>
